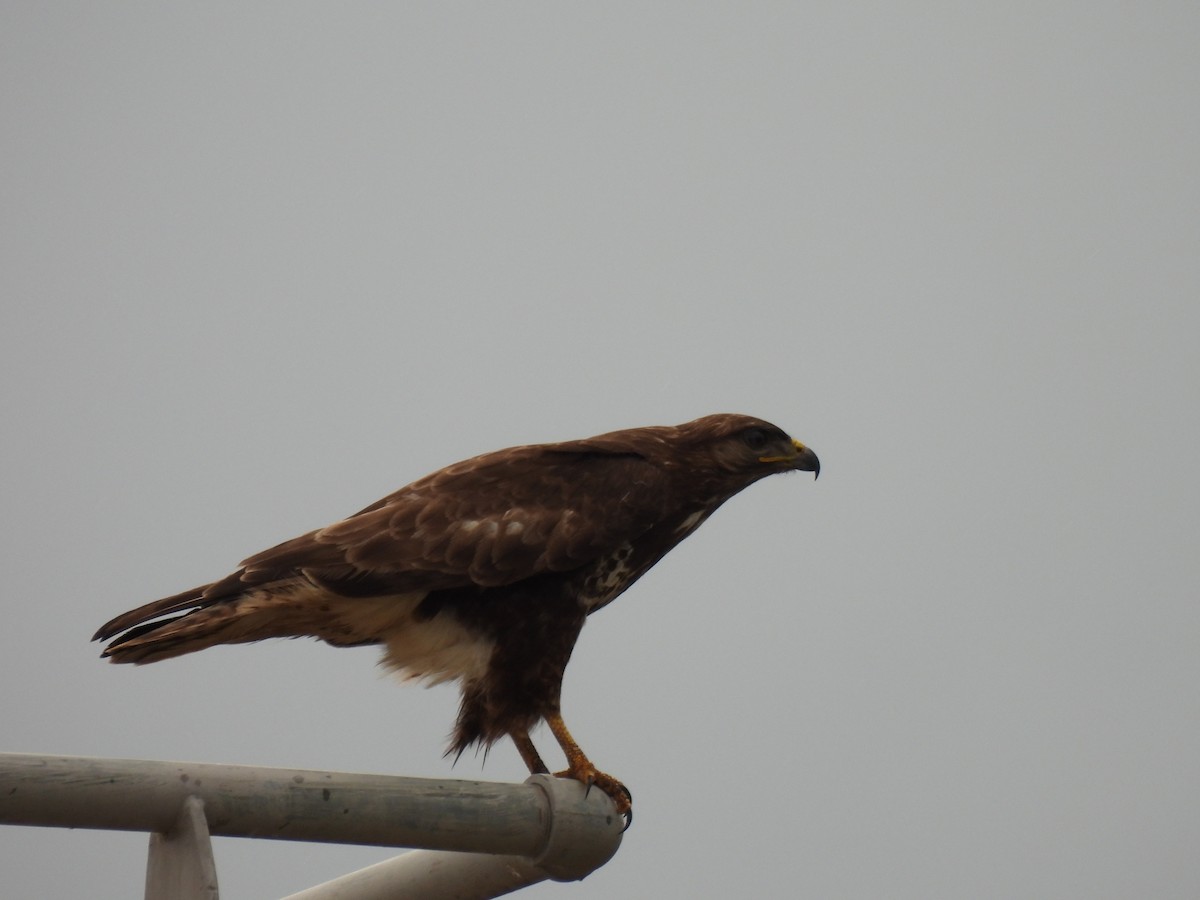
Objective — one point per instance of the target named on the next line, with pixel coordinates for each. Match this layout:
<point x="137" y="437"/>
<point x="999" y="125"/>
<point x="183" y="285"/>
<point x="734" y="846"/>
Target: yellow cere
<point x="800" y="448"/>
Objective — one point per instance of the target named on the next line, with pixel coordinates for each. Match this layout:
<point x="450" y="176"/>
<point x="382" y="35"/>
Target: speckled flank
<point x="608" y="578"/>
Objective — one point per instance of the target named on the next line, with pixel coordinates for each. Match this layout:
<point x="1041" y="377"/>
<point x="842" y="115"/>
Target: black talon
<point x="628" y="814"/>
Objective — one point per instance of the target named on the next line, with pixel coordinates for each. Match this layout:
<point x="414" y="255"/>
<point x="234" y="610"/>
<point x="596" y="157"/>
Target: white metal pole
<point x="581" y="840"/>
<point x="512" y="835"/>
<point x="425" y="874"/>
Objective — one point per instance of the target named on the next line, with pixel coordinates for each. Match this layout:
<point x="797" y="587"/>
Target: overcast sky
<point x="262" y="264"/>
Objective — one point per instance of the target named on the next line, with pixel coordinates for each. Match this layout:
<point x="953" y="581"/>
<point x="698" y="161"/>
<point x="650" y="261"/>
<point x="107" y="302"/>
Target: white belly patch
<point x="436" y="650"/>
<point x="429" y="650"/>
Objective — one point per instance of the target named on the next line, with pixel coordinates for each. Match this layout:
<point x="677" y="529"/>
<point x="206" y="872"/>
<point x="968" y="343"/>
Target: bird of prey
<point x="483" y="572"/>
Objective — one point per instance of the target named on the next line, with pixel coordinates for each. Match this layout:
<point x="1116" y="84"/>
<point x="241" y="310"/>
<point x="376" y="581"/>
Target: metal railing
<point x="476" y="839"/>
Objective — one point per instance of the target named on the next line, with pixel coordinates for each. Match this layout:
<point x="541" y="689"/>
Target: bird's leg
<point x="580" y="768"/>
<point x="529" y="752"/>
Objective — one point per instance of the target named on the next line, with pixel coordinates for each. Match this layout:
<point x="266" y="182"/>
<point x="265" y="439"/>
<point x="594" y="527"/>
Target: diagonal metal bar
<point x="181" y="864"/>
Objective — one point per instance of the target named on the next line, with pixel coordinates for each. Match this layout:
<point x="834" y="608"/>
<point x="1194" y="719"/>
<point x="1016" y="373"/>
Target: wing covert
<point x="492" y="523"/>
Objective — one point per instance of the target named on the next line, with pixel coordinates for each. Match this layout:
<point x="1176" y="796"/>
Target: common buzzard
<point x="483" y="572"/>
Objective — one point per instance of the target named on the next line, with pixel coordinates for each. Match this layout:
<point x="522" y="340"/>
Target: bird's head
<point x="744" y="448"/>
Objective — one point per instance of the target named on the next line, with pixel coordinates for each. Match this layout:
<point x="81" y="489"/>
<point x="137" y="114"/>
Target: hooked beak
<point x="804" y="460"/>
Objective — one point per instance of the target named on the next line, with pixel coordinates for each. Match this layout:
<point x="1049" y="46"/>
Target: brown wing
<point x="488" y="521"/>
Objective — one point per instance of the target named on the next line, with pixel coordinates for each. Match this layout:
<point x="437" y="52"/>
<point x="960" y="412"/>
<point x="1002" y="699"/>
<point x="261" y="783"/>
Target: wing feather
<point x="490" y="521"/>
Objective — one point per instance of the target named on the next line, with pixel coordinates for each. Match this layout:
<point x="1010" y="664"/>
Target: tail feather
<point x="150" y="642"/>
<point x="229" y="620"/>
<point x="218" y="614"/>
<point x="210" y="614"/>
<point x="165" y="606"/>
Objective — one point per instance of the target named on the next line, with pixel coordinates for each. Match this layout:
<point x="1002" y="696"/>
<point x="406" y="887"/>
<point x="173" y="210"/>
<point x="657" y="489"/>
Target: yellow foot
<point x="593" y="777"/>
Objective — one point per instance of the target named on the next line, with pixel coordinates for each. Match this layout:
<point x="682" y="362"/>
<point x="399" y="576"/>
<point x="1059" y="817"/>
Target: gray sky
<point x="260" y="266"/>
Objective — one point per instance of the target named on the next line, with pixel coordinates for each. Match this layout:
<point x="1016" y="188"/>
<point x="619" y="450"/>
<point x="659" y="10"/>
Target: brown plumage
<point x="484" y="571"/>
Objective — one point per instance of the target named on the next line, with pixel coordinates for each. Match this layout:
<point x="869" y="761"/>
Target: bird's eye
<point x="754" y="438"/>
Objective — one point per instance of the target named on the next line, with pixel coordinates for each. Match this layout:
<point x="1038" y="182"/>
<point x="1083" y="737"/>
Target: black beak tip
<point x="808" y="462"/>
